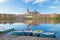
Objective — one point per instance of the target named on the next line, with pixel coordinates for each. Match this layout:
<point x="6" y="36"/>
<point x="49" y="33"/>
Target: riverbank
<point x="14" y="37"/>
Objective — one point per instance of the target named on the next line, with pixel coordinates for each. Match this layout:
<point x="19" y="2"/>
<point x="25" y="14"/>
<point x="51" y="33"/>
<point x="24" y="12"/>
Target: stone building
<point x="29" y="17"/>
<point x="32" y="17"/>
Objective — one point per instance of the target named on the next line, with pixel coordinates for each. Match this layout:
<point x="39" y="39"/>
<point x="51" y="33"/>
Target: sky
<point x="20" y="6"/>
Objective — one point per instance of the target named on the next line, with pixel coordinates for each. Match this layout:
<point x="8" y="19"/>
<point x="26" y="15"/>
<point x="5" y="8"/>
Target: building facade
<point x="29" y="17"/>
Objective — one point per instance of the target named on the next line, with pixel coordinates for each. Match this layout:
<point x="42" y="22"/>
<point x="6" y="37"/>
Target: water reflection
<point x="45" y="25"/>
<point x="50" y="21"/>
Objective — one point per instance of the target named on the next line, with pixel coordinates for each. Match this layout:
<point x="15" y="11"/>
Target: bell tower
<point x="27" y="10"/>
<point x="35" y="10"/>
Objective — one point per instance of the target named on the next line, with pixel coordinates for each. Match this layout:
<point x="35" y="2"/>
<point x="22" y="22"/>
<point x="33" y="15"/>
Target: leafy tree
<point x="10" y="19"/>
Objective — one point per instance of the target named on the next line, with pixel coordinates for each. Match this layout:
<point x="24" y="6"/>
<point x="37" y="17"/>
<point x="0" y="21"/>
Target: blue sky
<point x="20" y="6"/>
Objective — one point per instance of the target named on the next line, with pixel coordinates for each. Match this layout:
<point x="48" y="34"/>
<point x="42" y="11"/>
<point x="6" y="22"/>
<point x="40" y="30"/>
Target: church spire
<point x="35" y="10"/>
<point x="27" y="10"/>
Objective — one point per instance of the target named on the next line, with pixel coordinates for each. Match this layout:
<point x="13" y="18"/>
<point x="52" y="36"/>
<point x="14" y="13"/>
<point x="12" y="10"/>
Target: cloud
<point x="40" y="4"/>
<point x="27" y="1"/>
<point x="2" y="1"/>
<point x="40" y="1"/>
<point x="34" y="1"/>
<point x="53" y="7"/>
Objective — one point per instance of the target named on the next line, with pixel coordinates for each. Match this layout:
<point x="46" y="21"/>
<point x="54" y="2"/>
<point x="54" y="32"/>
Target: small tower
<point x="35" y="10"/>
<point x="27" y="10"/>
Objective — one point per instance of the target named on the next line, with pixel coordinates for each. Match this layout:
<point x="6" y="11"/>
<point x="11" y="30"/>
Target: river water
<point x="44" y="27"/>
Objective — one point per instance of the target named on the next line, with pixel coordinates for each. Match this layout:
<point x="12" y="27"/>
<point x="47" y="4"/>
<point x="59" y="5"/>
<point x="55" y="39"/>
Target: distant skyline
<point x="20" y="6"/>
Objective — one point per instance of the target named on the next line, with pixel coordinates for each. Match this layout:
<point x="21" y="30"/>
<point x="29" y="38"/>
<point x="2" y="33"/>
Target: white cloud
<point x="13" y="13"/>
<point x="53" y="7"/>
<point x="27" y="1"/>
<point x="2" y="1"/>
<point x="34" y="1"/>
<point x="40" y="1"/>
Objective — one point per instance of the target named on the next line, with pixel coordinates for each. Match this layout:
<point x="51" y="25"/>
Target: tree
<point x="10" y="19"/>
